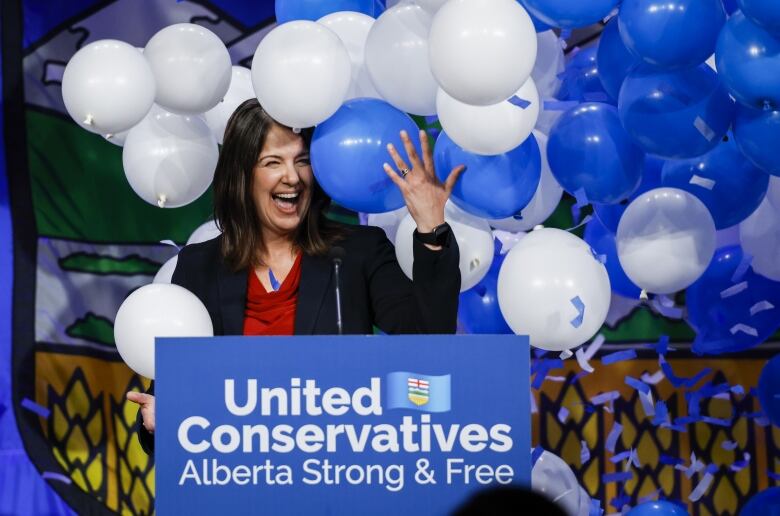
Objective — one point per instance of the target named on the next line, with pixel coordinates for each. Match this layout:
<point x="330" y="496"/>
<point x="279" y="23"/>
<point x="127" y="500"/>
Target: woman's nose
<point x="291" y="175"/>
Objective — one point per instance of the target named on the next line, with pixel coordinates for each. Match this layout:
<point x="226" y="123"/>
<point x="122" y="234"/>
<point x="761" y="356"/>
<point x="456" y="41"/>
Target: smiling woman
<point x="270" y="271"/>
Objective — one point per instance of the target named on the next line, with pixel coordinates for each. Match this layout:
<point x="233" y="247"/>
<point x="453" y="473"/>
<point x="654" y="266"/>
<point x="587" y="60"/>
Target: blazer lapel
<point x="232" y="299"/>
<point x="315" y="280"/>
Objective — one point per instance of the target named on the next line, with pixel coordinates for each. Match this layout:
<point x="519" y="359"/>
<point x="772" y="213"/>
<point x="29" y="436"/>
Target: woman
<point x="270" y="272"/>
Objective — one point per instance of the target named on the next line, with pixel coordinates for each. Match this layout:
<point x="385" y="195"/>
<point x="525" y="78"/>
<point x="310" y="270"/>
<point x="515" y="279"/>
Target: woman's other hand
<point x="146" y="402"/>
<point x="424" y="193"/>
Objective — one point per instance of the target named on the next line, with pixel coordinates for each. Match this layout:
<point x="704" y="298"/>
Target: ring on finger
<point x="404" y="172"/>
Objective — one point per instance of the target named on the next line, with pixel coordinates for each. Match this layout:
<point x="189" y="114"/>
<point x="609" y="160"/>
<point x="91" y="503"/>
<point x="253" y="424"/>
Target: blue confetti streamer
<point x="618" y="356"/>
<point x="584" y="452"/>
<point x="669" y="460"/>
<point x="535" y="454"/>
<point x="34" y="407"/>
<point x="53" y="475"/>
<point x="662" y="346"/>
<point x="717" y="421"/>
<point x="580" y="306"/>
<point x="272" y="279"/>
<point x="622" y="476"/>
<point x="605" y="397"/>
<point x="678" y="381"/>
<point x="620" y="456"/>
<point x="517" y="101"/>
<point x="613" y="436"/>
<point x="595" y="508"/>
<point x="637" y="384"/>
<point x="661" y="413"/>
<point x="771" y="474"/>
<point x="744" y="265"/>
<point x="620" y="501"/>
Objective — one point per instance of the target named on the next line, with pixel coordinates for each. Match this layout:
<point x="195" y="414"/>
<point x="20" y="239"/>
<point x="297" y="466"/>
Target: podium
<point x="338" y="425"/>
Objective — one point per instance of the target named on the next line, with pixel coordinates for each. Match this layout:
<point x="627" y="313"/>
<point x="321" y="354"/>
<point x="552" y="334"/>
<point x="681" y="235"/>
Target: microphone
<point x="336" y="256"/>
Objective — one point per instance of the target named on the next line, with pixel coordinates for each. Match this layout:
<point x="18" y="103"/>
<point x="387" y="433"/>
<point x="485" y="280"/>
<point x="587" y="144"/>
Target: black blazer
<point x="374" y="290"/>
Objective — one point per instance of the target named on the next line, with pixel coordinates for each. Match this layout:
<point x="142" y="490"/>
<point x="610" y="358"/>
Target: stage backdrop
<point x="82" y="241"/>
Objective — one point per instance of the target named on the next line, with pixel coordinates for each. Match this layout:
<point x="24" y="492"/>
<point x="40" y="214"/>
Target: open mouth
<point x="287" y="202"/>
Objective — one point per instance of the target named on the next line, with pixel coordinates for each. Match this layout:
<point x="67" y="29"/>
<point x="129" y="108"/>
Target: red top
<point x="272" y="313"/>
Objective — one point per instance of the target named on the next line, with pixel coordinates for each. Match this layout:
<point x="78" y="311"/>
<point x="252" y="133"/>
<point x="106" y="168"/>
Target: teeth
<point x="287" y="195"/>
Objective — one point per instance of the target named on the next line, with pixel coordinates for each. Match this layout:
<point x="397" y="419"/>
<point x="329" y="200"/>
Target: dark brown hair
<point x="234" y="207"/>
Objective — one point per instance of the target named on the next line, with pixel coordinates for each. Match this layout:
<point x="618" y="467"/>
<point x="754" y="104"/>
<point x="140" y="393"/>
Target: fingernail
<point x="403" y="133"/>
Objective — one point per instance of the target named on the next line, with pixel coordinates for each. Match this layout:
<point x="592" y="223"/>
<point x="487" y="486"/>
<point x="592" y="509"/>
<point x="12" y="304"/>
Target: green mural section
<point x="80" y="192"/>
<point x="101" y="264"/>
<point x="93" y="328"/>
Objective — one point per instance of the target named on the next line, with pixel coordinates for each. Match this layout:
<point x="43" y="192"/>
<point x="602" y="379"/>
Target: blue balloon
<point x="609" y="214"/>
<point x="748" y="61"/>
<point x="675" y="115"/>
<point x="614" y="60"/>
<point x="730" y="6"/>
<point x="672" y="34"/>
<point x="570" y="14"/>
<point x="738" y="188"/>
<point x="714" y="316"/>
<point x="289" y="10"/>
<point x="581" y="80"/>
<point x="769" y="393"/>
<point x="757" y="133"/>
<point x="348" y="151"/>
<point x="589" y="150"/>
<point x="764" y="503"/>
<point x="602" y="240"/>
<point x="478" y="310"/>
<point x="492" y="187"/>
<point x="658" y="508"/>
<point x="765" y="13"/>
<point x="539" y="25"/>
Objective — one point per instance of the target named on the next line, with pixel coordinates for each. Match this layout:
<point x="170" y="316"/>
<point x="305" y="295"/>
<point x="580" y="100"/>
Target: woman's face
<point x="282" y="181"/>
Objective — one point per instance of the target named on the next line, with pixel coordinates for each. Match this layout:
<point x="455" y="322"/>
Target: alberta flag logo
<point x="418" y="391"/>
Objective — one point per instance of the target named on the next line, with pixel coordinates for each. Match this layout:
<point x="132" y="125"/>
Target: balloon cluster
<point x="666" y="149"/>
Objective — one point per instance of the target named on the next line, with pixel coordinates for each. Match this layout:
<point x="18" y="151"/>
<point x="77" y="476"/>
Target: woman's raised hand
<point x="424" y="193"/>
<point x="146" y="401"/>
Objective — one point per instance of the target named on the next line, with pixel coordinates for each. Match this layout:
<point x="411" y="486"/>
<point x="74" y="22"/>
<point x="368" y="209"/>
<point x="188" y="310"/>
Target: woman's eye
<point x="271" y="163"/>
<point x="304" y="161"/>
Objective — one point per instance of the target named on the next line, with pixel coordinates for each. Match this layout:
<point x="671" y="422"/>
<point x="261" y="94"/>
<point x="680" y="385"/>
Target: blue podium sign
<point x="338" y="425"/>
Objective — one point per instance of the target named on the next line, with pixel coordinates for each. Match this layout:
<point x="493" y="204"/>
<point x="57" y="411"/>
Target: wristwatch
<point x="436" y="237"/>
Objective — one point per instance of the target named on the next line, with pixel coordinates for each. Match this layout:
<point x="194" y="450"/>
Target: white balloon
<point x="165" y="272"/>
<point x="157" y="310"/>
<point x="665" y="240"/>
<point x="430" y="5"/>
<point x="352" y="28"/>
<point x="108" y="87"/>
<point x="545" y="200"/>
<point x="191" y="66"/>
<point x="169" y="160"/>
<point x="550" y="63"/>
<point x="301" y="73"/>
<point x="240" y="90"/>
<point x="117" y="139"/>
<point x="475" y="242"/>
<point x="204" y="232"/>
<point x="489" y="130"/>
<point x="388" y="221"/>
<point x="482" y="51"/>
<point x="553" y="477"/>
<point x="584" y="508"/>
<point x="538" y="286"/>
<point x="397" y="59"/>
<point x="760" y="237"/>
